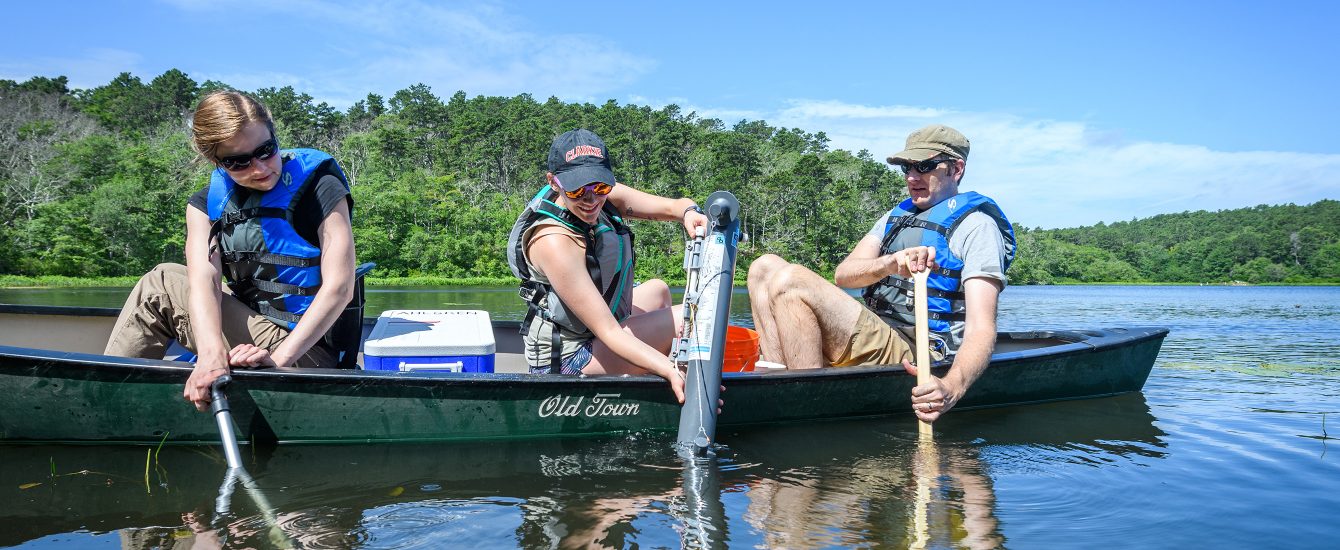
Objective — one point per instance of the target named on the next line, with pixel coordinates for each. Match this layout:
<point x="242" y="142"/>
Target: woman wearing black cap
<point x="574" y="256"/>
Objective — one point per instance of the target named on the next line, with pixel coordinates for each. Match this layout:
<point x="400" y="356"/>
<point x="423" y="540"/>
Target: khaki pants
<point x="157" y="312"/>
<point x="874" y="342"/>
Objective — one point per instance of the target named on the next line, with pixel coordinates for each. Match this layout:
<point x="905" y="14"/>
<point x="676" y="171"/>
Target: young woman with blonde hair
<point x="273" y="223"/>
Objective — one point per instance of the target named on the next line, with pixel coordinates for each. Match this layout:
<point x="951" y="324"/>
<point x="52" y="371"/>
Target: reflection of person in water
<point x="573" y="516"/>
<point x="194" y="533"/>
<point x="320" y="528"/>
<point x="872" y="496"/>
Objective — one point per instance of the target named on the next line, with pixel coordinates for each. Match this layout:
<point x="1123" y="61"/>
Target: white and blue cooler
<point x="431" y="340"/>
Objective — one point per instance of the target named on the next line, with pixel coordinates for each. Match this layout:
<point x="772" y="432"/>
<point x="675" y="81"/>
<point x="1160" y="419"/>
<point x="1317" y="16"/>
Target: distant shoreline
<point x="23" y="282"/>
<point x="53" y="281"/>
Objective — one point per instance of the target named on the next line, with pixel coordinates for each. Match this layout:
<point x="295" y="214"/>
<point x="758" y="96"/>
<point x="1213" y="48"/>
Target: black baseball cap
<point x="579" y="157"/>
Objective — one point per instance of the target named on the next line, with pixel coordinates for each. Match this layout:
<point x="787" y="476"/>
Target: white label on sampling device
<point x="709" y="279"/>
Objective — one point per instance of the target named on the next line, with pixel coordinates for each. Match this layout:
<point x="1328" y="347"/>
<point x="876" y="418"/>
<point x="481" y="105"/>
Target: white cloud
<point x="1048" y="173"/>
<point x="96" y="67"/>
<point x="479" y="49"/>
<point x="728" y="116"/>
<point x="253" y="80"/>
<point x="383" y="47"/>
<point x="838" y="109"/>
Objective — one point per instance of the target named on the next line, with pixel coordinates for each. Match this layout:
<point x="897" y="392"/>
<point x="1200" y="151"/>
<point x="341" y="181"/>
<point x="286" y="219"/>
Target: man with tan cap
<point x="962" y="237"/>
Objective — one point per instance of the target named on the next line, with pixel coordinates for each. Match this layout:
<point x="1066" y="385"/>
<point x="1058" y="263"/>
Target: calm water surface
<point x="1227" y="447"/>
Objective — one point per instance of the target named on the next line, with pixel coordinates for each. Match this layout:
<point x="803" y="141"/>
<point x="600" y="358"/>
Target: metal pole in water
<point x="223" y="416"/>
<point x="704" y="514"/>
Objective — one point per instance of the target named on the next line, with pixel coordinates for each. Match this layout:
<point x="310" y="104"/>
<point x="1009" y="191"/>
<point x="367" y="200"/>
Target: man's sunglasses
<point x="923" y="167"/>
<point x="241" y="162"/>
<point x="599" y="188"/>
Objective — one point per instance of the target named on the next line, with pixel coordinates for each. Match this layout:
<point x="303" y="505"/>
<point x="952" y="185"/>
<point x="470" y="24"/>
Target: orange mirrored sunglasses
<point x="598" y="187"/>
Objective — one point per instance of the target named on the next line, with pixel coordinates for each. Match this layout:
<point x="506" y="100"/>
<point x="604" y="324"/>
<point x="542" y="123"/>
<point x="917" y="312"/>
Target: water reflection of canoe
<point x="328" y="492"/>
<point x="318" y="490"/>
<point x="57" y="388"/>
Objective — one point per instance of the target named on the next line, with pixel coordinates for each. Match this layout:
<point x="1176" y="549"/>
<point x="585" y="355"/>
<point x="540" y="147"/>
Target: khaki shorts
<point x="157" y="312"/>
<point x="874" y="342"/>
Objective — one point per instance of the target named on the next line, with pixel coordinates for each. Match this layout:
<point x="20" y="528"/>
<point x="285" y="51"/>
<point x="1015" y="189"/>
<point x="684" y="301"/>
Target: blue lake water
<point x="1228" y="446"/>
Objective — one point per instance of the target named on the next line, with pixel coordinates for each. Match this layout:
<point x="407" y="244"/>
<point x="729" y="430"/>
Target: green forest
<point x="95" y="183"/>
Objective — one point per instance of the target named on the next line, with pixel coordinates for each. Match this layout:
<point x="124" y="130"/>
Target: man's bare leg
<point x="807" y="317"/>
<point x="760" y="276"/>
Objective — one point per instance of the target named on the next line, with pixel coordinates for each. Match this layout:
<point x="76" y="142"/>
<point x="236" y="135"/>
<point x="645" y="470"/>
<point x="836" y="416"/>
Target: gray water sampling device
<point x="709" y="261"/>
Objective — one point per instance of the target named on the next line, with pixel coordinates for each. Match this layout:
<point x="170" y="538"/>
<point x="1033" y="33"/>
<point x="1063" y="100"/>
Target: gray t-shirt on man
<point x="978" y="242"/>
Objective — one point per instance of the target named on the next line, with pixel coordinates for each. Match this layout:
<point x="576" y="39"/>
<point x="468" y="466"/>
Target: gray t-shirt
<point x="978" y="242"/>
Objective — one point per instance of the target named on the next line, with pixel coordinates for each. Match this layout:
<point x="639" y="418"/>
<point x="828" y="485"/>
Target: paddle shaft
<point x="923" y="339"/>
<point x="926" y="457"/>
<point x="224" y="418"/>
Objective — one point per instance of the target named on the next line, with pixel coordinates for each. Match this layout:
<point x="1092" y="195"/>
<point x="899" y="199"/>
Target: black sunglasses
<point x="240" y="162"/>
<point x="923" y="167"/>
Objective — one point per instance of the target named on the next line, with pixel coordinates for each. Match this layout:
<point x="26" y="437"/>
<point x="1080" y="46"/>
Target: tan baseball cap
<point x="928" y="142"/>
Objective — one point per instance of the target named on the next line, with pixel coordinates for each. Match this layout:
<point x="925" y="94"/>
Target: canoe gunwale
<point x="1077" y="342"/>
<point x="1085" y="343"/>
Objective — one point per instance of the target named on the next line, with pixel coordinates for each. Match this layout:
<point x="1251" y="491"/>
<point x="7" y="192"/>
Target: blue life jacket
<point x="268" y="265"/>
<point x="944" y="291"/>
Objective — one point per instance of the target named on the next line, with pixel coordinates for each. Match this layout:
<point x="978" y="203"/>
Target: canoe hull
<point x="55" y="396"/>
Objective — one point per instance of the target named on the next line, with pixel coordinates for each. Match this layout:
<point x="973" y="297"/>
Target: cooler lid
<point x="422" y="333"/>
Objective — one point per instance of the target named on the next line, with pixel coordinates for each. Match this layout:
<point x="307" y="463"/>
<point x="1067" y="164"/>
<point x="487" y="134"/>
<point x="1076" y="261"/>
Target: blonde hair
<point x="221" y="115"/>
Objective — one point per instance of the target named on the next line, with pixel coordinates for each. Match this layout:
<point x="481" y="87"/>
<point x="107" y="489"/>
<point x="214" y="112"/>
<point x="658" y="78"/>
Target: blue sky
<point x="1078" y="112"/>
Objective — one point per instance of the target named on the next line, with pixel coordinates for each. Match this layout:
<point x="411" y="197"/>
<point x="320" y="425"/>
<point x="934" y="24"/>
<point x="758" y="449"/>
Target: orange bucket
<point x="741" y="350"/>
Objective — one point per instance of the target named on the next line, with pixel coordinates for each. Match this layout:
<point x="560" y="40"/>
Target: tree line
<point x="1262" y="244"/>
<point x="95" y="183"/>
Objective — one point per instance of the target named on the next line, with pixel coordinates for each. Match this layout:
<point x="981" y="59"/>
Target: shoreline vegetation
<point x="94" y="183"/>
<point x="58" y="281"/>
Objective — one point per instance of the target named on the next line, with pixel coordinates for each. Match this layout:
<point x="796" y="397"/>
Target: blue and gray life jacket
<point x="612" y="274"/>
<point x="906" y="227"/>
<point x="267" y="264"/>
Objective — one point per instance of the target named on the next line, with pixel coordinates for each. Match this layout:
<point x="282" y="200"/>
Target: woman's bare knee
<point x="651" y="295"/>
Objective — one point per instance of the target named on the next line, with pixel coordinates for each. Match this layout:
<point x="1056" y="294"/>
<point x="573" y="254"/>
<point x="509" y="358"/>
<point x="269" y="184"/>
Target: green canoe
<point x="57" y="388"/>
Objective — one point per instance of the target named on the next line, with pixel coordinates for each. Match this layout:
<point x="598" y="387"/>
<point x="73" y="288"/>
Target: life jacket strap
<point x="235" y="217"/>
<point x="534" y="294"/>
<point x="947" y="317"/>
<point x="907" y="221"/>
<point x="904" y="284"/>
<point x="881" y="306"/>
<point x="284" y="288"/>
<point x="270" y="258"/>
<point x="275" y="313"/>
<point x="555" y="350"/>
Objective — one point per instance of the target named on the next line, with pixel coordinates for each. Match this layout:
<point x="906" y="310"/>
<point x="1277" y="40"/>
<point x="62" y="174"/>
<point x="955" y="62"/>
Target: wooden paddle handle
<point x="923" y="338"/>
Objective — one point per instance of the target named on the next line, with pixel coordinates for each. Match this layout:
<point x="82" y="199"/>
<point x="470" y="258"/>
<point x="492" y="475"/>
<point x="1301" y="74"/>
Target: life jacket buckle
<point x="530" y="292"/>
<point x="233" y="218"/>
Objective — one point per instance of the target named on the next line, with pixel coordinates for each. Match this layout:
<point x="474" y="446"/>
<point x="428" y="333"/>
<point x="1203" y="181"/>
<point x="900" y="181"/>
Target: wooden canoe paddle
<point x="925" y="459"/>
<point x="923" y="340"/>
